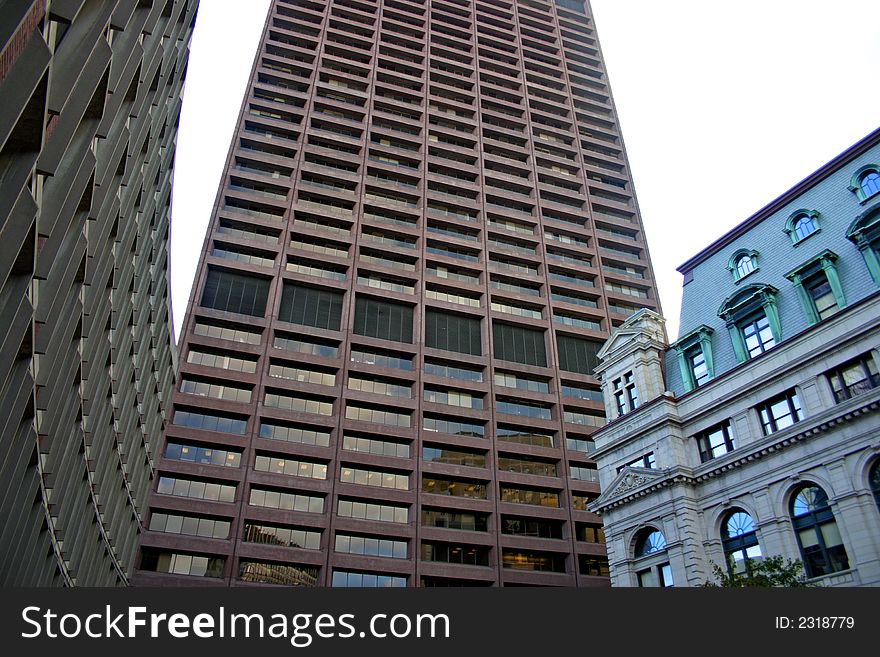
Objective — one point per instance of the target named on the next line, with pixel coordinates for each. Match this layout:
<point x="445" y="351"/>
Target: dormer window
<point x="752" y="320"/>
<point x="801" y="224"/>
<point x="742" y="263"/>
<point x="695" y="359"/>
<point x="866" y="182"/>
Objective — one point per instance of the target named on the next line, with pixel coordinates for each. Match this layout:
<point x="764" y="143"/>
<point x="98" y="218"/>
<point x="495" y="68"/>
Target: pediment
<point x="628" y="480"/>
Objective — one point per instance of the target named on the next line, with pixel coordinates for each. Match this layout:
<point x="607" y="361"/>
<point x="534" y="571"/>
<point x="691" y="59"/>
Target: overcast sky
<point x="723" y="106"/>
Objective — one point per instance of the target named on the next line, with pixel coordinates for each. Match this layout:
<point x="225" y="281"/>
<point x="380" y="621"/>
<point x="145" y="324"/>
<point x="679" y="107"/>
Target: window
<point x="453" y="487"/>
<point x="866" y="182"/>
<point x="651" y="542"/>
<point x="235" y="293"/>
<point x="864" y="232"/>
<point x="376" y="478"/>
<point x="577" y="354"/>
<point x="202" y="455"/>
<point x="370" y="546"/>
<point x="818" y="537"/>
<point x="311" y="306"/>
<point x="535" y="561"/>
<point x="818" y="286"/>
<point x="453" y="333"/>
<point x="176" y="563"/>
<point x="780" y="413"/>
<point x="282" y="536"/>
<point x="757" y="335"/>
<point x="658" y="576"/>
<point x="384" y="320"/>
<point x="519" y="344"/>
<point x="467" y="555"/>
<point x="716" y="442"/>
<point x="372" y="512"/>
<point x="742" y="263"/>
<point x="530" y="496"/>
<point x="801" y="224"/>
<point x="739" y="540"/>
<point x="648" y="461"/>
<point x="199" y="490"/>
<point x="626" y="398"/>
<point x="474" y="522"/>
<point x="854" y="378"/>
<point x="874" y="481"/>
<point x="282" y="574"/>
<point x="695" y="359"/>
<point x="275" y="499"/>
<point x="344" y="578"/>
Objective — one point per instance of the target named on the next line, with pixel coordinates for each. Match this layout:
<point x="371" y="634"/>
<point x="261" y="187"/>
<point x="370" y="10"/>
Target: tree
<point x="766" y="572"/>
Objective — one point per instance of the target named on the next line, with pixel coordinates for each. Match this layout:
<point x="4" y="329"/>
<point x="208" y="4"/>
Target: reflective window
<point x="283" y="574"/>
<point x="370" y="546"/>
<point x="817" y="533"/>
<point x="739" y="540"/>
<point x="343" y="578"/>
<point x="854" y="378"/>
<point x="200" y="490"/>
<point x="780" y="413"/>
<point x="716" y="442"/>
<point x="282" y="536"/>
<point x="375" y="478"/>
<point x="370" y="511"/>
<point x="650" y="541"/>
<point x="453" y="487"/>
<point x="275" y="499"/>
<point x="202" y="455"/>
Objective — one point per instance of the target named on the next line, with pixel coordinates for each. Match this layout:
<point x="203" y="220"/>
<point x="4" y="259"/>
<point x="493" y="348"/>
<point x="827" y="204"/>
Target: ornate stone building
<point x="756" y="433"/>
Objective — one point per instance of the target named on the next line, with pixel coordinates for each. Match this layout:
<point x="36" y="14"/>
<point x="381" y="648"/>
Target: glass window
<point x="874" y="481"/>
<point x="453" y="332"/>
<point x="577" y="354"/>
<point x="739" y="540"/>
<point x="716" y="442"/>
<point x="519" y="344"/>
<point x="235" y="293"/>
<point x="819" y="289"/>
<point x="780" y="413"/>
<point x="804" y="226"/>
<point x="817" y="533"/>
<point x="697" y="362"/>
<point x="658" y="576"/>
<point x="745" y="265"/>
<point x="311" y="306"/>
<point x="383" y="319"/>
<point x="344" y="578"/>
<point x="757" y="335"/>
<point x="869" y="183"/>
<point x="650" y="541"/>
<point x="283" y="574"/>
<point x="854" y="378"/>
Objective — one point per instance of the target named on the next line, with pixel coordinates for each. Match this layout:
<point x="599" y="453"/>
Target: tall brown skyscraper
<point x="425" y="232"/>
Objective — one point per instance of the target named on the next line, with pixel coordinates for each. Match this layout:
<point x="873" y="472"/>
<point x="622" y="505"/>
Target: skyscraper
<point x="425" y="232"/>
<point x="89" y="103"/>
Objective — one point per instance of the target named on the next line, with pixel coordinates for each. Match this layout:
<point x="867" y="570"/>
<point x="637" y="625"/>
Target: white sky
<point x="722" y="110"/>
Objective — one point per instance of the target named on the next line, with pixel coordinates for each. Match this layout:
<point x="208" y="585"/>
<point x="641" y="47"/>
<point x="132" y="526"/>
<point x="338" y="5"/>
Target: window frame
<point x="739" y="542"/>
<point x="742" y="308"/>
<point x="705" y="447"/>
<point x="856" y="183"/>
<point x="864" y="361"/>
<point x="700" y="339"/>
<point x="820" y="269"/>
<point x="791" y="224"/>
<point x="734" y="265"/>
<point x="769" y="422"/>
<point x="816" y="518"/>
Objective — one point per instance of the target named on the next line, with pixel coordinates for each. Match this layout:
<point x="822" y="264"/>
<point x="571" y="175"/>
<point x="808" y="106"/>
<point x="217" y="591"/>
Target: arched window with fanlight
<point x="818" y="536"/>
<point x="739" y="539"/>
<point x="874" y="481"/>
<point x="650" y="542"/>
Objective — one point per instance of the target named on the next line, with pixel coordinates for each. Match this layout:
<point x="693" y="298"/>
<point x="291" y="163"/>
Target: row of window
<point x="821" y="546"/>
<point x="850" y="379"/>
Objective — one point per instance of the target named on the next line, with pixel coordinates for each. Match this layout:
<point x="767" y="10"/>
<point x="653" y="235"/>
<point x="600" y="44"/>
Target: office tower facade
<point x="758" y="432"/>
<point x="425" y="232"/>
<point x="89" y="102"/>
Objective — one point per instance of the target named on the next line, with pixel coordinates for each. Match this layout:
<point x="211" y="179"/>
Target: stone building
<point x="755" y="433"/>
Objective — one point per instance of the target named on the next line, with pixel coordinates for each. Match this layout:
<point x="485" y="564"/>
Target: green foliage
<point x="766" y="572"/>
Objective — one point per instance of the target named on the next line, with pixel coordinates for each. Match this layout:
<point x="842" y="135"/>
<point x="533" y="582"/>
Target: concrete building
<point x="756" y="432"/>
<point x="425" y="232"/>
<point x="89" y="102"/>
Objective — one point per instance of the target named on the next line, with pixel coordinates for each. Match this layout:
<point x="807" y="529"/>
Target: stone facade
<point x="753" y="436"/>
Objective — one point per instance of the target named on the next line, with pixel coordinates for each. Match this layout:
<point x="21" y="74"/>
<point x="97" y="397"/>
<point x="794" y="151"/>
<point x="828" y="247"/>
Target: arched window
<point x="865" y="182"/>
<point x="745" y="265"/>
<point x="739" y="540"/>
<point x="869" y="183"/>
<point x="742" y="263"/>
<point x="651" y="542"/>
<point x="874" y="481"/>
<point x="817" y="533"/>
<point x="804" y="226"/>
